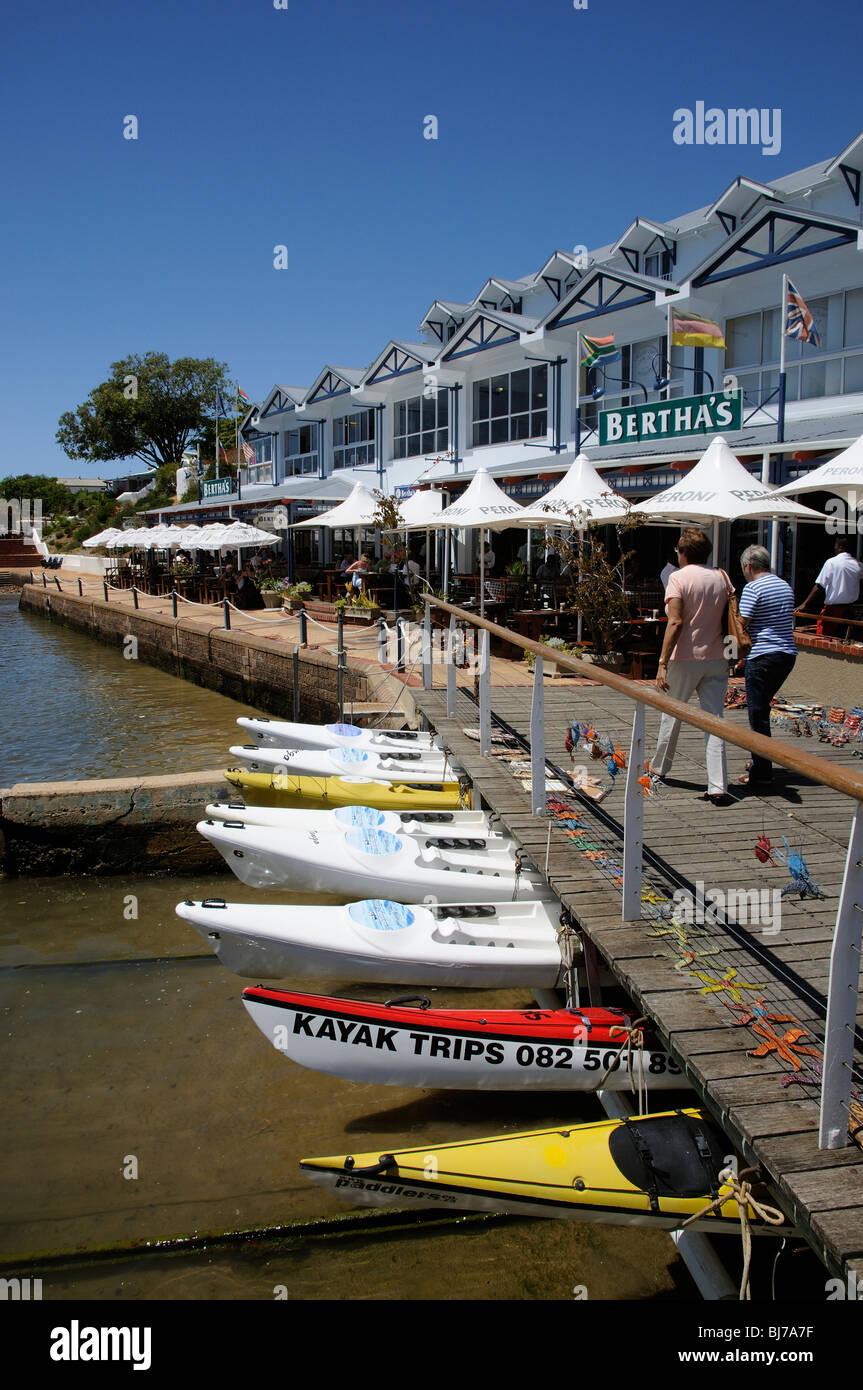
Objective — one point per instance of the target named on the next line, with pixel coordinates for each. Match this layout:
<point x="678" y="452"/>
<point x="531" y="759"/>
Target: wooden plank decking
<point x="772" y="1120"/>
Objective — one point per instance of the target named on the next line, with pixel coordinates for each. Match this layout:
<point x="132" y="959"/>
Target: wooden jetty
<point x="759" y="985"/>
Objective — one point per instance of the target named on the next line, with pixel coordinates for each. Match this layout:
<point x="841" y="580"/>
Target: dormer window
<point x="658" y="264"/>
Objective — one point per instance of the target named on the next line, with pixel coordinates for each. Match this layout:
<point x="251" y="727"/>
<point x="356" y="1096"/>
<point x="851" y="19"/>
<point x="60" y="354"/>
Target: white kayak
<point x="359" y="861"/>
<point x="489" y="945"/>
<point x="280" y="733"/>
<point x="487" y="1049"/>
<point x="290" y="820"/>
<point x="385" y="766"/>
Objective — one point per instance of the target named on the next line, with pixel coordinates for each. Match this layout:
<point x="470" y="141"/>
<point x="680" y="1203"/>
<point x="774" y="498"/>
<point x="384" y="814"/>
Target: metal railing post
<point x="174" y="603"/>
<point x="304" y="626"/>
<point x="842" y="998"/>
<point x="633" y="822"/>
<point x="31" y="576"/>
<point x="59" y="585"/>
<point x="135" y="595"/>
<point x="426" y="648"/>
<point x="80" y="589"/>
<point x="44" y="582"/>
<point x="450" y="668"/>
<point x="340" y="659"/>
<point x="382" y="641"/>
<point x="226" y="609"/>
<point x="400" y="646"/>
<point x="296" y="676"/>
<point x="537" y="743"/>
<point x="105" y="589"/>
<point x="484" y="692"/>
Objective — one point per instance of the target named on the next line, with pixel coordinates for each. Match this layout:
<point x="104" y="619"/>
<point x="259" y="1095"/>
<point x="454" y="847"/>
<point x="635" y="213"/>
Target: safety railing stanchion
<point x="450" y="668"/>
<point x="174" y="602"/>
<point x="31" y="576"/>
<point x="44" y="582"/>
<point x="382" y="641"/>
<point x="340" y="659"/>
<point x="633" y="822"/>
<point x="537" y="743"/>
<point x="427" y="649"/>
<point x="134" y="595"/>
<point x="400" y="646"/>
<point x="80" y="589"/>
<point x="105" y="589"/>
<point x="304" y="626"/>
<point x="484" y="692"/>
<point x="295" y="661"/>
<point x="226" y="608"/>
<point x="842" y="998"/>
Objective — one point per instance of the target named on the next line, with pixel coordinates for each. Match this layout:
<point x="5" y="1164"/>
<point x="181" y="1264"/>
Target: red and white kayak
<point x="488" y="1049"/>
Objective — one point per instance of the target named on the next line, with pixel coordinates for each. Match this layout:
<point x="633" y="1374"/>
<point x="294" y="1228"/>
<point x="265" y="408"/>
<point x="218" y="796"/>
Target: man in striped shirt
<point x="767" y="610"/>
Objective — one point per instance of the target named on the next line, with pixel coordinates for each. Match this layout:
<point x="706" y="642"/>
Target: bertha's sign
<point x="709" y="414"/>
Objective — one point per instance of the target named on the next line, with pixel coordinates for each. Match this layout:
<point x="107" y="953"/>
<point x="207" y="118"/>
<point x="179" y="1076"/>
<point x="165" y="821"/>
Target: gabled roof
<point x="442" y="313"/>
<point x="739" y="199"/>
<point x="487" y="328"/>
<point x="397" y="359"/>
<point x="774" y="235"/>
<point x="334" y="381"/>
<point x="643" y="233"/>
<point x="849" y="163"/>
<point x="605" y="289"/>
<point x="559" y="271"/>
<point x="513" y="288"/>
<point x="283" y="398"/>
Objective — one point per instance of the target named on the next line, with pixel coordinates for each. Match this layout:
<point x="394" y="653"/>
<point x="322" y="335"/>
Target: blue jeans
<point x="764" y="675"/>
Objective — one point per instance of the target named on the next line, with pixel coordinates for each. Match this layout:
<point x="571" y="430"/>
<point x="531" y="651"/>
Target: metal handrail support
<point x="842" y="998"/>
<point x="450" y="669"/>
<point x="484" y="693"/>
<point x="538" y="804"/>
<point x="633" y="822"/>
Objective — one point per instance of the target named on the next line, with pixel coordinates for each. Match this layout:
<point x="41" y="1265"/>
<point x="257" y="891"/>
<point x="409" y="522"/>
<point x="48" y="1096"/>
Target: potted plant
<point x="556" y="644"/>
<point x="598" y="584"/>
<point x="272" y="591"/>
<point x="295" y="595"/>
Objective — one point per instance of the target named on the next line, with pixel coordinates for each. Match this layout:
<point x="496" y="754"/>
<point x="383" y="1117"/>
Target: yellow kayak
<point x="280" y="789"/>
<point x="651" y="1170"/>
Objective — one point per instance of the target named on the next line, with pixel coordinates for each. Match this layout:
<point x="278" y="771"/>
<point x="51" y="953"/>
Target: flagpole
<point x="577" y="395"/>
<point x="780" y="432"/>
<point x="237" y="428"/>
<point x="668" y="349"/>
<point x="217" y="433"/>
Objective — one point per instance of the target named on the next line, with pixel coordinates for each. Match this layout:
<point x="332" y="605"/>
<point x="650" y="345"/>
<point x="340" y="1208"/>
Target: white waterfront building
<point x="495" y="382"/>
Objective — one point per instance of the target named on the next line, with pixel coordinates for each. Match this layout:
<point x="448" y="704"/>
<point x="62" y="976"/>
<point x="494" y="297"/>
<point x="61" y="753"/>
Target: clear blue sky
<point x="303" y="127"/>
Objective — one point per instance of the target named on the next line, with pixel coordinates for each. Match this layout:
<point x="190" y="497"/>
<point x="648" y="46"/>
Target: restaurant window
<point x="833" y="369"/>
<point x="263" y="448"/>
<point x="511" y="406"/>
<point x="353" y="439"/>
<point x="301" y="450"/>
<point x="421" y="425"/>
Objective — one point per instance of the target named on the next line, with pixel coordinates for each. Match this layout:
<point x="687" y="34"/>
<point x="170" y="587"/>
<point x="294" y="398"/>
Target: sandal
<point x="746" y="781"/>
<point x="716" y="798"/>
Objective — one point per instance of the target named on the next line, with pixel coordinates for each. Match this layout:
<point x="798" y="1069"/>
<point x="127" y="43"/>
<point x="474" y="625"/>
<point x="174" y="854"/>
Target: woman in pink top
<point x="693" y="656"/>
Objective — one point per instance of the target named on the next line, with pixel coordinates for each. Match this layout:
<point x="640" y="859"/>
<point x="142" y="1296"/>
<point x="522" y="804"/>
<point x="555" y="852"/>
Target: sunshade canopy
<point x="581" y="489"/>
<point x="422" y="511"/>
<point x="842" y="475"/>
<point x="359" y="509"/>
<point x="482" y="504"/>
<point x="719" y="488"/>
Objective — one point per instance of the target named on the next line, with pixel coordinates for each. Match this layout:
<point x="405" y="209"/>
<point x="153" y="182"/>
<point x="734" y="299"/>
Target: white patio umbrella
<point x="356" y="512"/>
<point x="580" y="489"/>
<point x="102" y="538"/>
<point x="420" y="513"/>
<point x="842" y="475"/>
<point x="485" y="506"/>
<point x="240" y="534"/>
<point x="718" y="489"/>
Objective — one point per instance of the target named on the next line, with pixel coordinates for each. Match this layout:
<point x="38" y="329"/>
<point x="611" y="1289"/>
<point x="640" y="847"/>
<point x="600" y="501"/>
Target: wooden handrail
<point x="774" y="749"/>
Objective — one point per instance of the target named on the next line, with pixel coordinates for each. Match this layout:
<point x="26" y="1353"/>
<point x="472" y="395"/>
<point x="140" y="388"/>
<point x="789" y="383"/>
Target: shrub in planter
<point x="556" y="644"/>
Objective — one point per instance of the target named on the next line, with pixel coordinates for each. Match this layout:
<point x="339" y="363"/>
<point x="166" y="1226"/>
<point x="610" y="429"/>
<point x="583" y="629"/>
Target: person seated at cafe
<point x="345" y="561"/>
<point x="357" y="570"/>
<point x="549" y="571"/>
<point x="248" y="594"/>
<point x="229" y="579"/>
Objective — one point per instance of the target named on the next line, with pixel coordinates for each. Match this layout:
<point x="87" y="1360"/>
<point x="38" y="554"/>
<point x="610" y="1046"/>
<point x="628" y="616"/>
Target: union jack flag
<point x="799" y="322"/>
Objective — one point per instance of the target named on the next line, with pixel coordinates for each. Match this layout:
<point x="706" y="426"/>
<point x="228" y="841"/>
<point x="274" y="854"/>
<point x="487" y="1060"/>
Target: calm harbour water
<point x="125" y="1036"/>
<point x="73" y="708"/>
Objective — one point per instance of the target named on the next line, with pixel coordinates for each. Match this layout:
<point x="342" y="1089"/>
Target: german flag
<point x="691" y="330"/>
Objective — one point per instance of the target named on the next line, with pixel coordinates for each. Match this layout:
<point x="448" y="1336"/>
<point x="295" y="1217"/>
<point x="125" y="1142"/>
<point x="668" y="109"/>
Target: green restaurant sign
<point x="643" y="424"/>
<point x="218" y="487"/>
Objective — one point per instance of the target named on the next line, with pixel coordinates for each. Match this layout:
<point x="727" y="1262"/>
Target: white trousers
<point x="710" y="680"/>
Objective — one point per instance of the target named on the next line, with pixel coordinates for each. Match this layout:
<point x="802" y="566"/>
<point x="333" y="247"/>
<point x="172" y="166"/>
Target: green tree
<point x="149" y="408"/>
<point x="53" y="495"/>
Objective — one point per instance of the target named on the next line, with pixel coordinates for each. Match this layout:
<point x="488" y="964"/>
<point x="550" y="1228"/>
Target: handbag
<point x="734" y="623"/>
